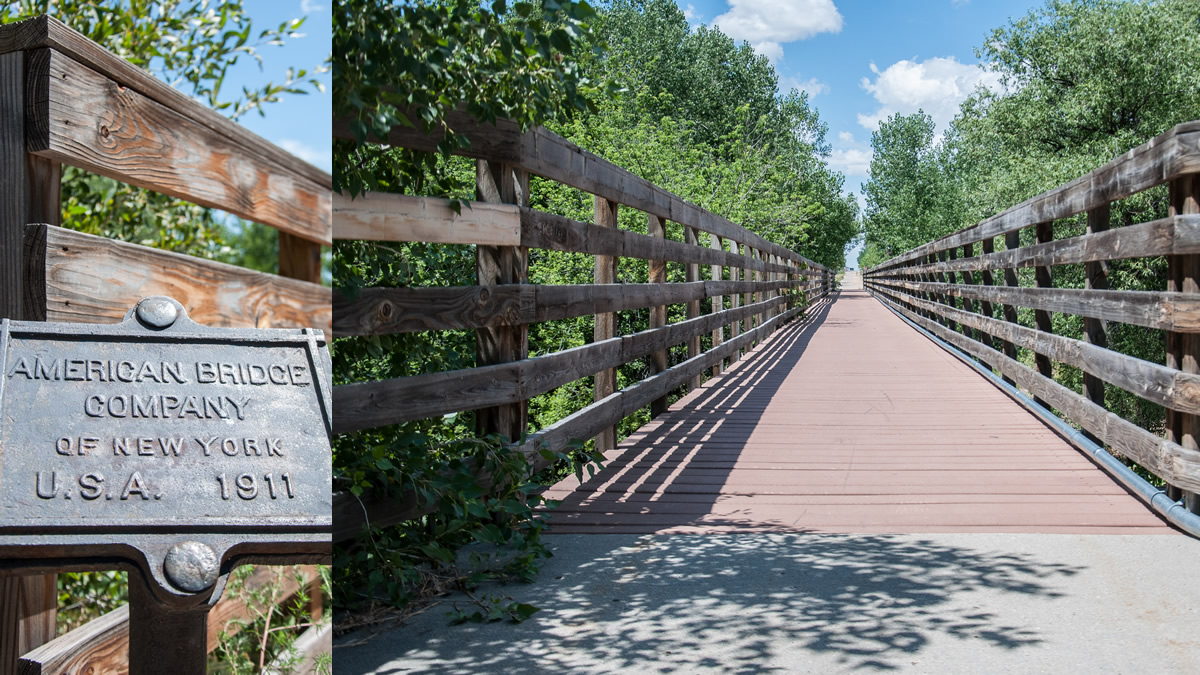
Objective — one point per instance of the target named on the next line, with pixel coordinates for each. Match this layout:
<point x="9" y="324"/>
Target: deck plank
<point x="853" y="422"/>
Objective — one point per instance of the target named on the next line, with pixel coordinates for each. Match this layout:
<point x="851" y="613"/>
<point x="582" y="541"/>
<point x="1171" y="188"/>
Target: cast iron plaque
<point x="157" y="432"/>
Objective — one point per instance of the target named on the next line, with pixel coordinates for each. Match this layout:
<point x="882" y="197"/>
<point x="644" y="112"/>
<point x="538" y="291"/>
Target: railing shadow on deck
<point x="737" y="603"/>
<point x="677" y="441"/>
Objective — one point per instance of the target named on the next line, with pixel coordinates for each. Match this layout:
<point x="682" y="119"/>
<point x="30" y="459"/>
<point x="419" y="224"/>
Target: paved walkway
<point x="850" y="421"/>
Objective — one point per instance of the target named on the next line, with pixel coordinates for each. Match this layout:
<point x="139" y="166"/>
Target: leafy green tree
<point x="902" y="192"/>
<point x="191" y="45"/>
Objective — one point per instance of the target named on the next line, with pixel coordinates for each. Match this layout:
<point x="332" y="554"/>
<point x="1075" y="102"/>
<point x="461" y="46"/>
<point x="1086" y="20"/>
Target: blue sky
<point x="300" y="124"/>
<point x="862" y="61"/>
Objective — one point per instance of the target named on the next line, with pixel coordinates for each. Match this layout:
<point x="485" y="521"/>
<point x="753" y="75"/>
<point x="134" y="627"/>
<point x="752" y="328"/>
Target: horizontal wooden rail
<point x="381" y="311"/>
<point x="351" y="514"/>
<point x="1152" y="309"/>
<point x="82" y="277"/>
<point x="921" y="285"/>
<point x="102" y="645"/>
<point x="1177" y="235"/>
<point x="89" y="108"/>
<point x="1170" y="461"/>
<point x="1170" y="155"/>
<point x="367" y="405"/>
<point x="546" y="154"/>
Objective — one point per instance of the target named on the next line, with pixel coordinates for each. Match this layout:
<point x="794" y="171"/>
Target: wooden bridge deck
<point x="849" y="421"/>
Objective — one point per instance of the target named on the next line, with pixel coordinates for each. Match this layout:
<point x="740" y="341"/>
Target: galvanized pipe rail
<point x="915" y="284"/>
<point x="751" y="285"/>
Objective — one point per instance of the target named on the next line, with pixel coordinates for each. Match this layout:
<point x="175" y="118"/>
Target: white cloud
<point x="845" y="137"/>
<point x="310" y="6"/>
<point x="936" y="86"/>
<point x="690" y="13"/>
<point x="850" y="161"/>
<point x="812" y="85"/>
<point x="769" y="24"/>
<point x="321" y="158"/>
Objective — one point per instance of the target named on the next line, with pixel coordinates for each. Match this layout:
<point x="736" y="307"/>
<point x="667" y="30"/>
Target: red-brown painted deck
<point x="849" y="421"/>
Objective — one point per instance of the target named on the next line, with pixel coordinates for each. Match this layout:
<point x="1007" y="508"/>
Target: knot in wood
<point x="104" y="132"/>
<point x="385" y="310"/>
<point x="484" y="294"/>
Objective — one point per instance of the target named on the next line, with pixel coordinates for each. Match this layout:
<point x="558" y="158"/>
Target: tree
<point x="191" y="45"/>
<point x="902" y="192"/>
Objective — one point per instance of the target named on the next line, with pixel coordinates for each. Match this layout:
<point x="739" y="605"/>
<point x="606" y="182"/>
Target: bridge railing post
<point x="657" y="274"/>
<point x="1094" y="330"/>
<point x="1183" y="349"/>
<point x="605" y="324"/>
<point x="718" y="304"/>
<point x="692" y="274"/>
<point x="1044" y="233"/>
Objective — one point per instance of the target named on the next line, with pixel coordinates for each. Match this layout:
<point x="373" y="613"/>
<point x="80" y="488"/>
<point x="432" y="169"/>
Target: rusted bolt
<point x="191" y="566"/>
<point x="157" y="312"/>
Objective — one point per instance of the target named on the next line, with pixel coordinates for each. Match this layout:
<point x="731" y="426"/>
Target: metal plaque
<point x="159" y="441"/>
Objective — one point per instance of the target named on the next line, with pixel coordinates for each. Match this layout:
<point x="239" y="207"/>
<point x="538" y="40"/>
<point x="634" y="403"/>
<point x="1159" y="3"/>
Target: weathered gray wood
<point x="1175" y="235"/>
<point x="550" y="231"/>
<point x="1094" y="330"/>
<point x="1166" y="386"/>
<point x="1041" y="317"/>
<point x="99" y="646"/>
<point x="1184" y="194"/>
<point x="495" y="267"/>
<point x="1171" y="461"/>
<point x="350" y="513"/>
<point x="657" y="274"/>
<point x="382" y="311"/>
<point x="14" y="182"/>
<point x="366" y="405"/>
<point x="691" y="276"/>
<point x="718" y="304"/>
<point x="47" y="31"/>
<point x="605" y="326"/>
<point x="1168" y="156"/>
<point x="380" y="216"/>
<point x="985" y="277"/>
<point x="1178" y="312"/>
<point x="93" y="122"/>
<point x="90" y="278"/>
<point x="551" y="156"/>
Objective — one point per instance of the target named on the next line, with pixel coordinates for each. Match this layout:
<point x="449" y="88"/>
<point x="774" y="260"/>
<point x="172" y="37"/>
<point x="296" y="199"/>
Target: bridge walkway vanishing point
<point x="848" y="421"/>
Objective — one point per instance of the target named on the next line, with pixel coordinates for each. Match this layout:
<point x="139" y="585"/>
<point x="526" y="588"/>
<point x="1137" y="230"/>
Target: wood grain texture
<point x="1169" y="311"/>
<point x="1166" y="459"/>
<point x="1095" y="331"/>
<point x="89" y="278"/>
<point x="691" y="276"/>
<point x="366" y="405"/>
<point x="1168" y="387"/>
<point x="14" y="182"/>
<point x="382" y="311"/>
<point x="1174" y="153"/>
<point x="548" y="155"/>
<point x="99" y="646"/>
<point x="604" y="324"/>
<point x="656" y="228"/>
<point x="379" y="216"/>
<point x="299" y="258"/>
<point x="93" y="122"/>
<point x="47" y="31"/>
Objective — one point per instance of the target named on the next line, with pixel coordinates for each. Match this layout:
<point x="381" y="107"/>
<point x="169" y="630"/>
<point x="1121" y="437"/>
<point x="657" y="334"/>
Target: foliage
<point x="700" y="116"/>
<point x="408" y="65"/>
<point x="191" y="45"/>
<point x="83" y="596"/>
<point x="269" y="637"/>
<point x="1083" y="81"/>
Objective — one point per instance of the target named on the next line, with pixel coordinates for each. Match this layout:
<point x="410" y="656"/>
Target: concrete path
<point x="826" y="603"/>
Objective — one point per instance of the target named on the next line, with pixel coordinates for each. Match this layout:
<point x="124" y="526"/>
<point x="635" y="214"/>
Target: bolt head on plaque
<point x="157" y="311"/>
<point x="191" y="566"/>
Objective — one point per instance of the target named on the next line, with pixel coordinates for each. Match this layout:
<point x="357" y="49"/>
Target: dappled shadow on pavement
<point x="734" y="603"/>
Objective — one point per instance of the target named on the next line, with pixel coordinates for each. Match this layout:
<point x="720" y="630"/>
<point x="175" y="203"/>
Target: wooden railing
<point x="66" y="100"/>
<point x="751" y="283"/>
<point x="977" y="312"/>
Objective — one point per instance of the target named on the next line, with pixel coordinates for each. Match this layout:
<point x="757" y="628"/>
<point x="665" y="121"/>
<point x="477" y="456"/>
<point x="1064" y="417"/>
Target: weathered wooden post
<point x="29" y="193"/>
<point x="1042" y="318"/>
<point x="656" y="227"/>
<point x="1094" y="330"/>
<point x="605" y="325"/>
<point x="1012" y="241"/>
<point x="494" y="265"/>
<point x="692" y="275"/>
<point x="718" y="304"/>
<point x="1183" y="349"/>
